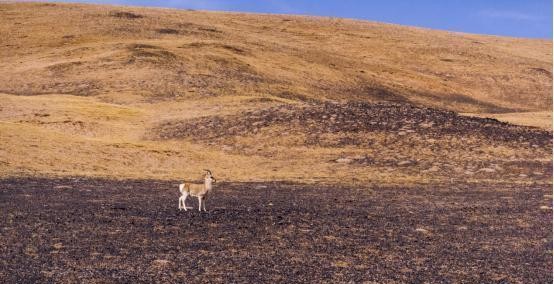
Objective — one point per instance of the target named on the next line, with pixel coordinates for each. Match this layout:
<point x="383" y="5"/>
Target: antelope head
<point x="209" y="176"/>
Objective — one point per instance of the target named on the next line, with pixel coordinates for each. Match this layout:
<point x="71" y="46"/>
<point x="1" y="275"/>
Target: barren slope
<point x="142" y="92"/>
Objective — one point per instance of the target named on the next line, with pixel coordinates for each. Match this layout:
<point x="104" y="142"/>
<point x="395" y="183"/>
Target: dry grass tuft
<point x="125" y="15"/>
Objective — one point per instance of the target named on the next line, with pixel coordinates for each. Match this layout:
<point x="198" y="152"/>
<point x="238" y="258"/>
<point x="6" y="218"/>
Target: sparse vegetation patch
<point x="125" y="15"/>
<point x="168" y="31"/>
<point x="235" y="49"/>
<point x="149" y="53"/>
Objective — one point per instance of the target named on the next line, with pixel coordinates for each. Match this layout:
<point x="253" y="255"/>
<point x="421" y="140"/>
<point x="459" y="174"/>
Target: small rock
<point x="426" y="125"/>
<point x="487" y="170"/>
<point x="522" y="175"/>
<point x="341" y="264"/>
<point x="433" y="169"/>
<point x="458" y="169"/>
<point x="63" y="187"/>
<point x="160" y="263"/>
<point x="406" y="163"/>
<point x="545" y="208"/>
<point x="344" y="160"/>
<point x="357" y="157"/>
<point x="421" y="230"/>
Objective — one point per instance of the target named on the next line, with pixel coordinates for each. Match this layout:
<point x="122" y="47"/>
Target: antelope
<point x="201" y="191"/>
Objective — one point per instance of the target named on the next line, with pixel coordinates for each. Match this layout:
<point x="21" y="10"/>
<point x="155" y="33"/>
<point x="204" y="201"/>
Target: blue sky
<point x="519" y="18"/>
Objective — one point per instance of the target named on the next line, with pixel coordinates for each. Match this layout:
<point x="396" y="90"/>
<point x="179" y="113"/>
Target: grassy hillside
<point x="142" y="92"/>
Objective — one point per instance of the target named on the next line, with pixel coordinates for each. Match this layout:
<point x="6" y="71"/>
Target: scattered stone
<point x="406" y="163"/>
<point x="426" y="124"/>
<point x="421" y="230"/>
<point x="433" y="169"/>
<point x="487" y="170"/>
<point x="63" y="187"/>
<point x="357" y="157"/>
<point x="498" y="168"/>
<point x="160" y="263"/>
<point x="522" y="175"/>
<point x="341" y="264"/>
<point x="344" y="160"/>
<point x="545" y="208"/>
<point x="354" y="117"/>
<point x="458" y="169"/>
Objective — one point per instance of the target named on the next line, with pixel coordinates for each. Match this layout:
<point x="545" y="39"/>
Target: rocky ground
<point x="393" y="137"/>
<point x="354" y="117"/>
<point x="92" y="230"/>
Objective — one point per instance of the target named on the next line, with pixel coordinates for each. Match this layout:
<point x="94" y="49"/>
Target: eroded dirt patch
<point x="92" y="230"/>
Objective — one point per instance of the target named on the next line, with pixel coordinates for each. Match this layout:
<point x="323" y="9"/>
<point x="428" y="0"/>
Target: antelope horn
<point x="209" y="172"/>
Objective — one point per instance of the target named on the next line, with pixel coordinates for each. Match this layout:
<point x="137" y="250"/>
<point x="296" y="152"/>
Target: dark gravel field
<point x="94" y="230"/>
<point x="320" y="119"/>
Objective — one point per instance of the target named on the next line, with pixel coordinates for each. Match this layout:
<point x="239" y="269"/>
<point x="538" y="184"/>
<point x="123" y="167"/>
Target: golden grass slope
<point x="59" y="135"/>
<point x="540" y="119"/>
<point x="177" y="54"/>
<point x="82" y="87"/>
